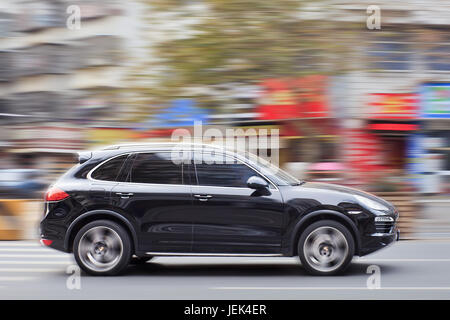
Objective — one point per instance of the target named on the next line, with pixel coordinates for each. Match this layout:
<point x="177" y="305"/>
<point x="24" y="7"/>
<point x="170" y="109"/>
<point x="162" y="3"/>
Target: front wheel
<point x="326" y="248"/>
<point x="102" y="247"/>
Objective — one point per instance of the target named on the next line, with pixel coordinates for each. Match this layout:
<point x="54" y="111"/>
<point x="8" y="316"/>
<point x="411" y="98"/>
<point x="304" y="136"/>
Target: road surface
<point x="408" y="270"/>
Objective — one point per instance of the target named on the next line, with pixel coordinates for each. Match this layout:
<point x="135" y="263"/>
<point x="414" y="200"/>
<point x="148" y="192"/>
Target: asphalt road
<point x="408" y="270"/>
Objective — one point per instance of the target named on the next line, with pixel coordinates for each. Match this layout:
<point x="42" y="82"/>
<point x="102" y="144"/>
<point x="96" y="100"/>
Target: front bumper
<point x="377" y="241"/>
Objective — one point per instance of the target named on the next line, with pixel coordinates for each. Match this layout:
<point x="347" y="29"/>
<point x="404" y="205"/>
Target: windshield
<point x="268" y="169"/>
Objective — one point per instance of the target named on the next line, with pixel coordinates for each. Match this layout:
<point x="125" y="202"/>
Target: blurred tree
<point x="205" y="43"/>
<point x="232" y="41"/>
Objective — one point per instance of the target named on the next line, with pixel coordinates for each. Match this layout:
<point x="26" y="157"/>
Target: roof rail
<point x="158" y="144"/>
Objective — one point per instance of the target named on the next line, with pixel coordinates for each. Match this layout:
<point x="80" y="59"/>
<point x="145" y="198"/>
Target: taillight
<point x="46" y="242"/>
<point x="55" y="194"/>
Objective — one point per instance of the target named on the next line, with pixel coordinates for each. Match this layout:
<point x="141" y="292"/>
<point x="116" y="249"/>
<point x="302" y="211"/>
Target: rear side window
<point x="156" y="168"/>
<point x="110" y="169"/>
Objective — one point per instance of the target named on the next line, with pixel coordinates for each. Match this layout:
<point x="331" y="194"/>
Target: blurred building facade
<point x="57" y="81"/>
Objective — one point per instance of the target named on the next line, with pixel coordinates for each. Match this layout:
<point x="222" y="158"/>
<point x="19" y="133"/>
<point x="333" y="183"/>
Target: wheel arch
<point x="315" y="216"/>
<point x="93" y="215"/>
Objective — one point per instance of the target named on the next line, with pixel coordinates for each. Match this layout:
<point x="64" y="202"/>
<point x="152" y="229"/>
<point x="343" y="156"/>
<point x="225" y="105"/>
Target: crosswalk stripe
<point x="57" y="256"/>
<point x="16" y="278"/>
<point x="19" y="244"/>
<point x="30" y="270"/>
<point x="36" y="262"/>
<point x="30" y="249"/>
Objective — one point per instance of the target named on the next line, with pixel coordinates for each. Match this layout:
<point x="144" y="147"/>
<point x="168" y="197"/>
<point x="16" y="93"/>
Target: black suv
<point x="128" y="203"/>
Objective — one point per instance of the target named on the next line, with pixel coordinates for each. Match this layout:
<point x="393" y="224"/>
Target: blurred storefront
<point x="393" y="117"/>
<point x="377" y="150"/>
<point x="309" y="130"/>
<point x="435" y="111"/>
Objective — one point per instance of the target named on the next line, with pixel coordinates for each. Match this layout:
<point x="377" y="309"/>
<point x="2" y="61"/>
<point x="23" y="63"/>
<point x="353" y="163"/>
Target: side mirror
<point x="257" y="183"/>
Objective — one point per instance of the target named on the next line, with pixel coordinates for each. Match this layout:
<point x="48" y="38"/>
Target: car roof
<point x="115" y="150"/>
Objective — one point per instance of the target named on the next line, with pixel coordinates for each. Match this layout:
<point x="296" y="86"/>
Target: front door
<point x="229" y="216"/>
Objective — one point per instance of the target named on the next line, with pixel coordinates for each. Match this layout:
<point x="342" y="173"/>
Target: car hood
<point x="346" y="190"/>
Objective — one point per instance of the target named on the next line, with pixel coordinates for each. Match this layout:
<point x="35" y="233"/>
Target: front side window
<point x="277" y="175"/>
<point x="110" y="169"/>
<point x="222" y="171"/>
<point x="156" y="168"/>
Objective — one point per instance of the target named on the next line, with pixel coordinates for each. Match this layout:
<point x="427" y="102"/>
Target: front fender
<point x="304" y="221"/>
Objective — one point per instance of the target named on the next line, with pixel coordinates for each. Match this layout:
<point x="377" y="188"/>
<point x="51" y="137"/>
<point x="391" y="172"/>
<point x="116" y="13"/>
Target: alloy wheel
<point x="100" y="248"/>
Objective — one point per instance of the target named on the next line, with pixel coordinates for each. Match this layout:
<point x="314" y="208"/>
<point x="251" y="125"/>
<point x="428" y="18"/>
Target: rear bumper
<point x="53" y="234"/>
<point x="54" y="244"/>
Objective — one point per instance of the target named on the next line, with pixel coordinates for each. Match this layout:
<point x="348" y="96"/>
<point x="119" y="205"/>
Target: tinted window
<point x="157" y="168"/>
<point x="222" y="171"/>
<point x="110" y="169"/>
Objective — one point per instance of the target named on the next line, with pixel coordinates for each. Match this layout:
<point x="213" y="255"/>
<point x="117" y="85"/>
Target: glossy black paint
<point x="191" y="218"/>
<point x="237" y="220"/>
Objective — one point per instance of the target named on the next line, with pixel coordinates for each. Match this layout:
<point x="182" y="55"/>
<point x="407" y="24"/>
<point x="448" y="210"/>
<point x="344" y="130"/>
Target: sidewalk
<point x="19" y="218"/>
<point x="433" y="218"/>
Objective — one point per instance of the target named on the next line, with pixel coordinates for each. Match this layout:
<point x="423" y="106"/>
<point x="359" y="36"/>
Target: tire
<point x="140" y="260"/>
<point x="102" y="248"/>
<point x="326" y="248"/>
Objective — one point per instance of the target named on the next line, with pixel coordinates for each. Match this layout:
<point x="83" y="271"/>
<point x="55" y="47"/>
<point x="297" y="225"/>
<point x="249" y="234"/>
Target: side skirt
<point x="176" y="254"/>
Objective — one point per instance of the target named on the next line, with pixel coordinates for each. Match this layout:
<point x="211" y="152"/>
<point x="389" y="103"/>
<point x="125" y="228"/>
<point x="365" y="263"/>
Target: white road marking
<point x="36" y="262"/>
<point x="330" y="288"/>
<point x="27" y="250"/>
<point x="401" y="260"/>
<point x="291" y="260"/>
<point x="58" y="256"/>
<point x="16" y="278"/>
<point x="19" y="244"/>
<point x="31" y="270"/>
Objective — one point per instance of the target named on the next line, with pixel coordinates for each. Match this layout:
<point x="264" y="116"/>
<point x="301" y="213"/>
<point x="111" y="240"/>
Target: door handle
<point x="202" y="197"/>
<point x="124" y="195"/>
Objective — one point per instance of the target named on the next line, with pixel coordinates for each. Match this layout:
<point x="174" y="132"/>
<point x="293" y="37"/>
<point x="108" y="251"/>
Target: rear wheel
<point x="102" y="247"/>
<point x="326" y="248"/>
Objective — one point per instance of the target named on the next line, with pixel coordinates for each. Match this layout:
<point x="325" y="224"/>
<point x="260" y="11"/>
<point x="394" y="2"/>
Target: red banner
<point x="362" y="150"/>
<point x="393" y="106"/>
<point x="293" y="98"/>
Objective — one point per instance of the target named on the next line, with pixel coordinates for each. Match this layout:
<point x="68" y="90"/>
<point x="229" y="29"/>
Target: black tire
<point x="326" y="248"/>
<point x="140" y="260"/>
<point x="102" y="239"/>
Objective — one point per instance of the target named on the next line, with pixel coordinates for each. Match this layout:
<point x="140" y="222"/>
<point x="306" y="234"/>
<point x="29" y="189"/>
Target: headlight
<point x="370" y="204"/>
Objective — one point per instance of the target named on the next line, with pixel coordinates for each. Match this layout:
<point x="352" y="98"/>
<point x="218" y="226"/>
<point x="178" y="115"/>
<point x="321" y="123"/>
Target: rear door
<point x="103" y="179"/>
<point x="156" y="192"/>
